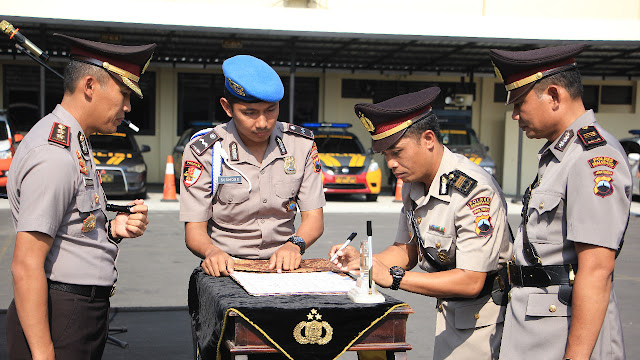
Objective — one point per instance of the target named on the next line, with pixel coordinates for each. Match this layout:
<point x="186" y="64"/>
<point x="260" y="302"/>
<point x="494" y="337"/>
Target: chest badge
<point x="436" y="228"/>
<point x="233" y="151"/>
<point x="290" y="205"/>
<point x="89" y="223"/>
<point x="289" y="165"/>
<point x="84" y="146"/>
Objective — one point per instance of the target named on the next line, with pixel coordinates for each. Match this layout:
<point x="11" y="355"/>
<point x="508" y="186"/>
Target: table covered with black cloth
<point x="300" y="326"/>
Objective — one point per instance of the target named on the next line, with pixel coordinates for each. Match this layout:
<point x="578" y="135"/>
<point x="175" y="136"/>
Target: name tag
<point x="229" y="179"/>
<point x="88" y="182"/>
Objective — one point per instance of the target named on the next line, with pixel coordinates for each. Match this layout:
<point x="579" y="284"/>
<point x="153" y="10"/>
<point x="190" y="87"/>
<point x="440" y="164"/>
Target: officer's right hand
<point x="348" y="258"/>
<point x="217" y="262"/>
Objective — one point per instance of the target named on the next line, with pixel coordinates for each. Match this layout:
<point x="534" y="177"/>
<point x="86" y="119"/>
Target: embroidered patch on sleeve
<point x="483" y="225"/>
<point x="603" y="161"/>
<point x="191" y="172"/>
<point x="603" y="182"/>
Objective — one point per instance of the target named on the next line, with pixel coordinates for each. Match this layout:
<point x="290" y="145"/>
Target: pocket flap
<point x="86" y="201"/>
<point x="546" y="305"/>
<point x="544" y="202"/>
<point x="479" y="314"/>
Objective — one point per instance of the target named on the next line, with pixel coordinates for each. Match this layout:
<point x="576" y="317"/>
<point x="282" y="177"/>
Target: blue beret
<point x="251" y="79"/>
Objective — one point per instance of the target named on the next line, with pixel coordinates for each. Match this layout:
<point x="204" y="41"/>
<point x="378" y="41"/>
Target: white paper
<point x="263" y="284"/>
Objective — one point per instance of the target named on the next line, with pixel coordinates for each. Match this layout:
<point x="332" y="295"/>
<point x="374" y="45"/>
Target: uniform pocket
<point x="86" y="201"/>
<point x="544" y="208"/>
<point x="546" y="305"/>
<point x="286" y="189"/>
<point x="478" y="315"/>
<point x="233" y="193"/>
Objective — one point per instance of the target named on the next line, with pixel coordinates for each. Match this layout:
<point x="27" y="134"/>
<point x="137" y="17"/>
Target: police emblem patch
<point x="191" y="172"/>
<point x="289" y="165"/>
<point x="603" y="161"/>
<point x="603" y="181"/>
<point x="89" y="223"/>
<point x="483" y="225"/>
<point x="60" y="134"/>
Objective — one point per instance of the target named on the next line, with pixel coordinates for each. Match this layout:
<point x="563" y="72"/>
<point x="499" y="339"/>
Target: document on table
<point x="318" y="283"/>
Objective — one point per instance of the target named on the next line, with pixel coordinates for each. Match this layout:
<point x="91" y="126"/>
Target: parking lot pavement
<point x="154" y="270"/>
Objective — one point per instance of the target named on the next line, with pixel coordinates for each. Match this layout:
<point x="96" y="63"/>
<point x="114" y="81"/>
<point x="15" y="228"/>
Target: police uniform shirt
<point x="581" y="196"/>
<point x="471" y="230"/>
<point x="252" y="224"/>
<point x="54" y="189"/>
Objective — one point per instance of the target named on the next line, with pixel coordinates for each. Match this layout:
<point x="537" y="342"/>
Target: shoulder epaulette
<point x="590" y="137"/>
<point x="205" y="141"/>
<point x="60" y="134"/>
<point x="299" y="130"/>
<point x="461" y="181"/>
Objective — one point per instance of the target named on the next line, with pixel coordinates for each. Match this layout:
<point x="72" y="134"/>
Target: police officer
<point x="574" y="216"/>
<point x="243" y="181"/>
<point x="453" y="224"/>
<point x="64" y="259"/>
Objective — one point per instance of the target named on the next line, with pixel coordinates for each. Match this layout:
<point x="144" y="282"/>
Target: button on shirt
<point x="253" y="224"/>
<point x="49" y="194"/>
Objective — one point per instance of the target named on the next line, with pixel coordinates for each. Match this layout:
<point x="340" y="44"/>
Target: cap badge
<point x="236" y="87"/>
<point x="89" y="223"/>
<point x="368" y="125"/>
<point x="289" y="165"/>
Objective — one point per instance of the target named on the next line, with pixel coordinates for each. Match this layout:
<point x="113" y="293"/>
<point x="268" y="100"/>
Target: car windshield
<point x="112" y="142"/>
<point x="457" y="137"/>
<point x="337" y="144"/>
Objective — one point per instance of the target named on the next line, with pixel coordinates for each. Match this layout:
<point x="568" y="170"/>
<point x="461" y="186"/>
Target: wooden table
<point x="389" y="334"/>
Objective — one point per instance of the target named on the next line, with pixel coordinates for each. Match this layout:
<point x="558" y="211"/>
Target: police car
<point x="461" y="139"/>
<point x="120" y="164"/>
<point x="8" y="143"/>
<point x="631" y="146"/>
<point x="347" y="168"/>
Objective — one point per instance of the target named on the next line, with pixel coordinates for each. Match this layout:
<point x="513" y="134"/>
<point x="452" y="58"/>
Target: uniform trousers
<point x="79" y="327"/>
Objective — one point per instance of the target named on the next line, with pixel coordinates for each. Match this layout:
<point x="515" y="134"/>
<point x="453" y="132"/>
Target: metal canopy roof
<point x="179" y="45"/>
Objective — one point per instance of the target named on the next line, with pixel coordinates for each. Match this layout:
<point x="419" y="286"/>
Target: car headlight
<point x="6" y="154"/>
<point x="137" y="168"/>
<point x="490" y="169"/>
<point x="329" y="171"/>
<point x="373" y="166"/>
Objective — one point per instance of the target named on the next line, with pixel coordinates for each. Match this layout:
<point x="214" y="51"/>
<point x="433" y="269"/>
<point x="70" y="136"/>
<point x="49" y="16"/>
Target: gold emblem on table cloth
<point x="310" y="332"/>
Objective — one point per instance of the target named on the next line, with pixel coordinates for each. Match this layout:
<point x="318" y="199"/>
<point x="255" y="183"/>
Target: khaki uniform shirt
<point x="473" y="231"/>
<point x="252" y="224"/>
<point x="583" y="196"/>
<point x="54" y="189"/>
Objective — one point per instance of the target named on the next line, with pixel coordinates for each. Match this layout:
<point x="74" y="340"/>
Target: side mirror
<point x="145" y="148"/>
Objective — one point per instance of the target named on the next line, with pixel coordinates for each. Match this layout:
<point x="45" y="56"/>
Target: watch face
<point x="396" y="271"/>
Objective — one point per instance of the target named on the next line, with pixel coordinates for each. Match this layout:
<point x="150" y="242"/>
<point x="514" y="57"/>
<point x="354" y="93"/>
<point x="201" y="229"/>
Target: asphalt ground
<point x="154" y="269"/>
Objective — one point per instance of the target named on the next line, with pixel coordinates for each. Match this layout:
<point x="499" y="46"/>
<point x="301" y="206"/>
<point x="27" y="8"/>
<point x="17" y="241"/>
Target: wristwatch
<point x="397" y="273"/>
<point x="297" y="240"/>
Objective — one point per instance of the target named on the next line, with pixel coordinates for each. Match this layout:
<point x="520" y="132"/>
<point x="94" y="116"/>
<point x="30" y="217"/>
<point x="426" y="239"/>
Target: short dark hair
<point x="76" y="70"/>
<point x="430" y="123"/>
<point x="570" y="80"/>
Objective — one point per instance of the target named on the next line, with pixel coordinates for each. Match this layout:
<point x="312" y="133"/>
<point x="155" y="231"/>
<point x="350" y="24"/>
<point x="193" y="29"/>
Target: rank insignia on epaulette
<point x="461" y="181"/>
<point x="204" y="142"/>
<point x="60" y="134"/>
<point x="590" y="137"/>
<point x="300" y="131"/>
<point x="281" y="147"/>
<point x="564" y="140"/>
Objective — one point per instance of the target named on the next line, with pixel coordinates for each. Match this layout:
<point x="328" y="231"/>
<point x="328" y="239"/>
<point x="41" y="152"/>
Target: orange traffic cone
<point x="398" y="197"/>
<point x="169" y="188"/>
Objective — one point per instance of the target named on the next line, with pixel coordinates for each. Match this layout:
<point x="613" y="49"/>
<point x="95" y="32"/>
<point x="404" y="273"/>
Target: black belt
<point x="542" y="276"/>
<point x="97" y="292"/>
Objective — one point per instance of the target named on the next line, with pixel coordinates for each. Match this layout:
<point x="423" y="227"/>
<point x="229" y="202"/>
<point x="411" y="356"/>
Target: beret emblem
<point x="236" y="87"/>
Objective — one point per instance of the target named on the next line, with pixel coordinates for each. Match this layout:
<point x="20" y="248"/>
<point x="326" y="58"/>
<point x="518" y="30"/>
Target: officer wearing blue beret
<point x="574" y="216"/>
<point x="244" y="181"/>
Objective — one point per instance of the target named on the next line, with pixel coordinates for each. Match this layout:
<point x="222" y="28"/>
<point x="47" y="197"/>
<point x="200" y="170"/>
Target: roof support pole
<point x="292" y="85"/>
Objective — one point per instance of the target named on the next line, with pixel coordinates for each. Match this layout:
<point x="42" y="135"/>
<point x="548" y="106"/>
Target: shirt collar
<point x="447" y="165"/>
<point x="556" y="147"/>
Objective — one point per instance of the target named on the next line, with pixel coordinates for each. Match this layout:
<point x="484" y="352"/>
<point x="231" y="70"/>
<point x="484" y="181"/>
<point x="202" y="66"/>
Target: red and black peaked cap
<point x="519" y="70"/>
<point x="126" y="63"/>
<point x="387" y="121"/>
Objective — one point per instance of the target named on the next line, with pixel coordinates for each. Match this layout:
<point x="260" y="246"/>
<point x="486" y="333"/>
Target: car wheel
<point x="371" y="197"/>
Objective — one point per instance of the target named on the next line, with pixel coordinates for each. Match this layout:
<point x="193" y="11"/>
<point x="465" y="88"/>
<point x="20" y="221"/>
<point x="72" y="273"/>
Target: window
<point x="590" y="97"/>
<point x="143" y="111"/>
<point x="616" y="95"/>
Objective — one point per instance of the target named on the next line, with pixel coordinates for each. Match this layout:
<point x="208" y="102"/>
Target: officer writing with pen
<point x="63" y="264"/>
<point x="453" y="224"/>
<point x="244" y="181"/>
